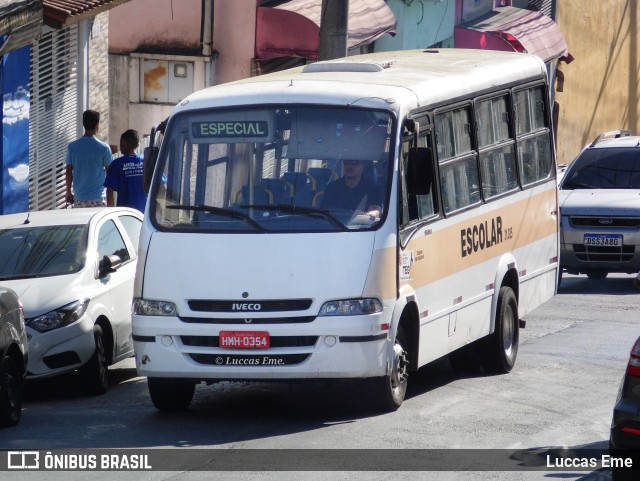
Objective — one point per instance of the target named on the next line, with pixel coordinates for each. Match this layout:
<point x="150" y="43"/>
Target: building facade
<point x="601" y="87"/>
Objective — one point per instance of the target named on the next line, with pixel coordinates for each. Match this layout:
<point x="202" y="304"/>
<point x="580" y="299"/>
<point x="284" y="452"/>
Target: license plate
<point x="602" y="240"/>
<point x="244" y="339"/>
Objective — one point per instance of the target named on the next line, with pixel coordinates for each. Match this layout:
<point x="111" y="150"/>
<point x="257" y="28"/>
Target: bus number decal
<point x="481" y="236"/>
<point x="406" y="261"/>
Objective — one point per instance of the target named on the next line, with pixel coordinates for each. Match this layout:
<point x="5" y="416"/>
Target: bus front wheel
<point x="389" y="391"/>
<point x="170" y="394"/>
<point x="501" y="348"/>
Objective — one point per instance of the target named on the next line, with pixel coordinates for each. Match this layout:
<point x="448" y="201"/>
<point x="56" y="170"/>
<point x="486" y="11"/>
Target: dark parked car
<point x="13" y="357"/>
<point x="624" y="441"/>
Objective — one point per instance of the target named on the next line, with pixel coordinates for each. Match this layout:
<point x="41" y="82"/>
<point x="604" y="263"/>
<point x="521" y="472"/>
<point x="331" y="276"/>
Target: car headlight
<point x="60" y="317"/>
<point x="144" y="307"/>
<point x="350" y="307"/>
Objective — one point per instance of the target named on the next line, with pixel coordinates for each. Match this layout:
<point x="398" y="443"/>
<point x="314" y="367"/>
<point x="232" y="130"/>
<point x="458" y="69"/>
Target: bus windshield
<point x="274" y="169"/>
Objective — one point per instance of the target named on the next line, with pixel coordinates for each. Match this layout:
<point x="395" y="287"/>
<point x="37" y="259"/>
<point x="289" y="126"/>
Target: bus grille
<point x="211" y="305"/>
<point x="255" y="320"/>
<point x="216" y="359"/>
<point x="274" y="341"/>
<point x="603" y="253"/>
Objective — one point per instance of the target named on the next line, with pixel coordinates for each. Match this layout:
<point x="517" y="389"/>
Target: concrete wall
<point x="601" y="84"/>
<point x="128" y="111"/>
<point x="166" y="30"/>
<point x="155" y="24"/>
<point x="99" y="72"/>
<point x="119" y="94"/>
<point x="234" y="37"/>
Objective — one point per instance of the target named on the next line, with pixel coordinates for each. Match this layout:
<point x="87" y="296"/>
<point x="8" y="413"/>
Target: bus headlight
<point x="350" y="307"/>
<point x="144" y="307"/>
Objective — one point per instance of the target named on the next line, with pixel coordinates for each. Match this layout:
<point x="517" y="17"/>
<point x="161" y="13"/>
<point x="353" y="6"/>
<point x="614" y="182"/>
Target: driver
<point x="353" y="191"/>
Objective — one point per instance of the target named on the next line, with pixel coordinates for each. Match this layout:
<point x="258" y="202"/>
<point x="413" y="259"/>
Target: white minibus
<point x="352" y="219"/>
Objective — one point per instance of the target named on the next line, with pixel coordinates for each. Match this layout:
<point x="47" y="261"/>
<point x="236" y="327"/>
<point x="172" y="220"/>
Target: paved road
<point x="561" y="393"/>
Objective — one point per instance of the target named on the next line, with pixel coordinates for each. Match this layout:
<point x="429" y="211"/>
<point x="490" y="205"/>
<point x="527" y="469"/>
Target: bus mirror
<point x="283" y="121"/>
<point x="419" y="171"/>
<point x="150" y="158"/>
<point x="151" y="154"/>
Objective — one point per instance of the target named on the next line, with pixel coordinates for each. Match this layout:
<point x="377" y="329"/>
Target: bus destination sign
<point x="230" y="129"/>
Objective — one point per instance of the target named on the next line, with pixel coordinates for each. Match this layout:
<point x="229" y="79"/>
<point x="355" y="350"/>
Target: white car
<point x="73" y="270"/>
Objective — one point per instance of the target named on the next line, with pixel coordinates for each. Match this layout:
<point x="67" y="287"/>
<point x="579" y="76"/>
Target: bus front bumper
<point x="338" y="349"/>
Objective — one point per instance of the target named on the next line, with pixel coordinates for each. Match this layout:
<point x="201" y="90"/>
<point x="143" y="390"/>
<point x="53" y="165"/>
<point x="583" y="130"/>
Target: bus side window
<point x="457" y="158"/>
<point x="533" y="136"/>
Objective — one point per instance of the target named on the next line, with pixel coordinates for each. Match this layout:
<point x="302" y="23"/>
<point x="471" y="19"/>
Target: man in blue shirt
<point x="125" y="174"/>
<point x="88" y="159"/>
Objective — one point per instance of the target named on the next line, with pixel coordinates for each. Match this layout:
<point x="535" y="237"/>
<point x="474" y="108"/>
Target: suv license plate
<point x="244" y="339"/>
<point x="602" y="240"/>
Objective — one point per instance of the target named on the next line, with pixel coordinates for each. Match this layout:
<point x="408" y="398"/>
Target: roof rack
<point x="345" y="67"/>
<point x="614" y="134"/>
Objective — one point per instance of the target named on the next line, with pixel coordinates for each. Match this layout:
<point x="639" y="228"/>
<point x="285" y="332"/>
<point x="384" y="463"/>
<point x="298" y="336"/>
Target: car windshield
<point x="611" y="168"/>
<point x="274" y="169"/>
<point x="27" y="252"/>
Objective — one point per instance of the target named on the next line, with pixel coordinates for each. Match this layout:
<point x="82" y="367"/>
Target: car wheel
<point x="11" y="385"/>
<point x="388" y="391"/>
<point x="170" y="394"/>
<point x="501" y="348"/>
<point x="597" y="275"/>
<point x="94" y="375"/>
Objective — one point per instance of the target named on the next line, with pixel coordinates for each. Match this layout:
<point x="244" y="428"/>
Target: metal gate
<point x="53" y="122"/>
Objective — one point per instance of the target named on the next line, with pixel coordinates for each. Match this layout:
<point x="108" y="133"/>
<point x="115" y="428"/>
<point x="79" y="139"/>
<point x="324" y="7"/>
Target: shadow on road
<point x="67" y="386"/>
<point x="615" y="284"/>
<point x="224" y="413"/>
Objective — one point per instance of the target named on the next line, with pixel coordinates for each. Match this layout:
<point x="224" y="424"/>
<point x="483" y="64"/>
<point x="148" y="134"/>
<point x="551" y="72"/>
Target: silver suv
<point x="600" y="208"/>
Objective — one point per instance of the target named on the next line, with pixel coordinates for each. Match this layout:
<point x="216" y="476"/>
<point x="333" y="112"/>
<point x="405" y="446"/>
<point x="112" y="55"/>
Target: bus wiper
<point x="220" y="211"/>
<point x="296" y="209"/>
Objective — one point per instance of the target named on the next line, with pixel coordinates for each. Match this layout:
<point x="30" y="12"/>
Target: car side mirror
<point x="419" y="176"/>
<point x="108" y="264"/>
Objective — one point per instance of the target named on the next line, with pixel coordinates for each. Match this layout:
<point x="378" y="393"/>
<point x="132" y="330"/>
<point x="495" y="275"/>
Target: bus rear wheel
<point x="170" y="394"/>
<point x="389" y="391"/>
<point x="501" y="348"/>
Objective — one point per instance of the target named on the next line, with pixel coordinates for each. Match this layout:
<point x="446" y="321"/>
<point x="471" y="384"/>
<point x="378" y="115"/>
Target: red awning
<point x="293" y="28"/>
<point x="514" y="29"/>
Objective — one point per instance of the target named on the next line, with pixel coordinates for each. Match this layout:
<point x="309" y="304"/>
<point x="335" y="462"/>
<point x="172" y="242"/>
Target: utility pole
<point x="334" y="28"/>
